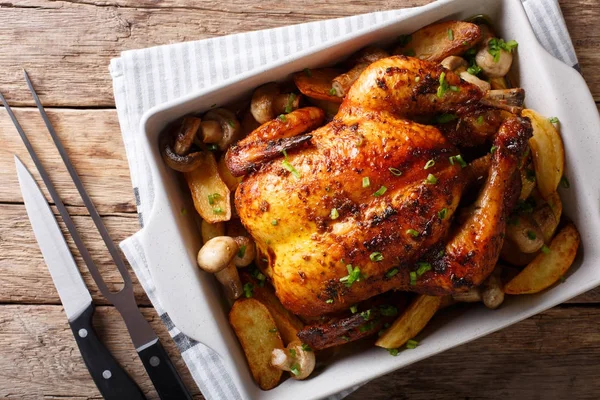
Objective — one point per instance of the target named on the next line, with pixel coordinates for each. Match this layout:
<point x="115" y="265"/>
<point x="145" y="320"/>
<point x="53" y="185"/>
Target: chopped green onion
<point x="290" y="168"/>
<point x="445" y="118"/>
<point x="493" y="149"/>
<point x="562" y="279"/>
<point x="183" y="211"/>
<point x="423" y="267"/>
<point x="380" y="191"/>
<point x="281" y="117"/>
<point x="412" y="232"/>
<point x="354" y="275"/>
<point x="431" y="179"/>
<point x="395" y="171"/>
<point x="218" y="210"/>
<point x="553" y="120"/>
<point x="531" y="235"/>
<point x="248" y="289"/>
<point x="295" y="369"/>
<point x="545" y="249"/>
<point x="329" y="301"/>
<point x="391" y="272"/>
<point x="346" y="338"/>
<point x="442" y="213"/>
<point x="417" y="79"/>
<point x="457" y="159"/>
<point x="429" y="164"/>
<point x="564" y="182"/>
<point x="213" y="197"/>
<point x="413" y="278"/>
<point x="306" y="347"/>
<point x="367" y="327"/>
<point x="354" y="309"/>
<point x="495" y="47"/>
<point x="443" y="85"/>
<point x="480" y="119"/>
<point x="441" y="253"/>
<point x="274" y="222"/>
<point x="366" y="315"/>
<point x="290" y="103"/>
<point x="307" y="72"/>
<point x="376" y="256"/>
<point x="366" y="182"/>
<point x="388" y="310"/>
<point x="231" y="123"/>
<point x="334" y="214"/>
<point x="242" y="251"/>
<point x="411" y="344"/>
<point x="393" y="352"/>
<point x="332" y="91"/>
<point x="273" y="330"/>
<point x="450" y="34"/>
<point x="213" y="105"/>
<point x="474" y="69"/>
<point x="212" y="147"/>
<point x="454" y="88"/>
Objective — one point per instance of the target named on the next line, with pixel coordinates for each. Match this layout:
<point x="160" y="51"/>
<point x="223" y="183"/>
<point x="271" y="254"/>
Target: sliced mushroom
<point x="268" y="102"/>
<point x="297" y="358"/>
<point x="185" y="135"/>
<point x="510" y="100"/>
<point x="483" y="85"/>
<point x="492" y="293"/>
<point x="181" y="163"/>
<point x="454" y="62"/>
<point x="246" y="253"/>
<point x="211" y="131"/>
<point x="471" y="296"/>
<point x="492" y="68"/>
<point x="216" y="257"/>
<point x="230" y="126"/>
<point x="525" y="233"/>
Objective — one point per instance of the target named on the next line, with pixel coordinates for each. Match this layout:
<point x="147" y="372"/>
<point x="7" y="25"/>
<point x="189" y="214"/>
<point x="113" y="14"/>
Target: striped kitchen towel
<point x="147" y="77"/>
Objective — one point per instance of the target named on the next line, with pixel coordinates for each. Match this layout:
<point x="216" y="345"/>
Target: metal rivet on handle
<point x="82" y="333"/>
<point x="106" y="374"/>
<point x="154" y="361"/>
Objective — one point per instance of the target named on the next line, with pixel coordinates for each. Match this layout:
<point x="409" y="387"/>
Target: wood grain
<point x="40" y="359"/>
<point x="93" y="141"/>
<point x="545" y="357"/>
<point x="67" y="45"/>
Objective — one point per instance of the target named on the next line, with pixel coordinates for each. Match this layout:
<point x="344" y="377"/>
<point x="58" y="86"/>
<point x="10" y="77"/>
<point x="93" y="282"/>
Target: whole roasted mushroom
<point x="217" y="257"/>
<point x="494" y="67"/>
<point x="220" y="126"/>
<point x="268" y="102"/>
<point x="296" y="358"/>
<point x="175" y="143"/>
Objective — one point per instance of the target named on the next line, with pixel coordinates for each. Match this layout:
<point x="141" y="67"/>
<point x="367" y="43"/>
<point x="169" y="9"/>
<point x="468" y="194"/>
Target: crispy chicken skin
<point x="289" y="211"/>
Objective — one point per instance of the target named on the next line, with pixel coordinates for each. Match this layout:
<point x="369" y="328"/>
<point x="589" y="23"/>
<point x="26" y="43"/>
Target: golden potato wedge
<point x="498" y="83"/>
<point x="440" y="40"/>
<point x="287" y="323"/>
<point x="547" y="268"/>
<point x="548" y="153"/>
<point x="257" y="332"/>
<point x="210" y="194"/>
<point x="210" y="231"/>
<point x="231" y="181"/>
<point x="411" y="322"/>
<point x="556" y="204"/>
<point x="316" y="83"/>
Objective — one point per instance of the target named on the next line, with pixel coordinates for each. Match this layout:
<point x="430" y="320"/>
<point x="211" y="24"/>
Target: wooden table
<point x="66" y="47"/>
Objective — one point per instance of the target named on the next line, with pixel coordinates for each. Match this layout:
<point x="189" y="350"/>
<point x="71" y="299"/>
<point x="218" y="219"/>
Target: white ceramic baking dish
<point x="192" y="298"/>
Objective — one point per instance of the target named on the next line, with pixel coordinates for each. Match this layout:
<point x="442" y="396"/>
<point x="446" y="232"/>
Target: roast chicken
<point x="357" y="207"/>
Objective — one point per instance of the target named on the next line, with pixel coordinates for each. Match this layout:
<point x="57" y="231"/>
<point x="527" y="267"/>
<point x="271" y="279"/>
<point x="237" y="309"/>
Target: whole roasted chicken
<point x="368" y="202"/>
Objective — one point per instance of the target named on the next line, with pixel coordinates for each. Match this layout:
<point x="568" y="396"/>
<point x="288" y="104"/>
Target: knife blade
<point x="112" y="380"/>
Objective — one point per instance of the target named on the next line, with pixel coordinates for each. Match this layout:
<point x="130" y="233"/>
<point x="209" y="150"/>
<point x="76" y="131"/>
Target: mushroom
<point x="341" y="83"/>
<point x="525" y="233"/>
<point x="246" y="253"/>
<point x="491" y="67"/>
<point x="297" y="358"/>
<point x="483" y="85"/>
<point x="454" y="62"/>
<point x="175" y="153"/>
<point x="472" y="296"/>
<point x="222" y="128"/>
<point x="492" y="293"/>
<point x="268" y="102"/>
<point x="216" y="257"/>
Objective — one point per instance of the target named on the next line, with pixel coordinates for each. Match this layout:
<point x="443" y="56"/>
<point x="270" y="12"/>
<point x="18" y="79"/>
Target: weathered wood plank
<point x="24" y="275"/>
<point x="93" y="140"/>
<point x="547" y="356"/>
<point x="39" y="357"/>
<point x="66" y="46"/>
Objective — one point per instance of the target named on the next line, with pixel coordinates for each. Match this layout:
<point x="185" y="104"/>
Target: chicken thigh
<point x="365" y="204"/>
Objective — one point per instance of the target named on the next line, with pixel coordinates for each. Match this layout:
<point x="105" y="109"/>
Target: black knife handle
<point x="112" y="380"/>
<point x="163" y="374"/>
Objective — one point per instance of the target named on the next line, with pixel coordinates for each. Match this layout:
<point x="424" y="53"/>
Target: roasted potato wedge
<point x="287" y="323"/>
<point x="411" y="322"/>
<point x="210" y="231"/>
<point x="316" y="83"/>
<point x="548" y="153"/>
<point x="440" y="40"/>
<point x="547" y="268"/>
<point x="257" y="332"/>
<point x="231" y="181"/>
<point x="210" y="194"/>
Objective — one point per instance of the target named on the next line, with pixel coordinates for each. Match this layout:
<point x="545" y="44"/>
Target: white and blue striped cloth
<point x="147" y="77"/>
